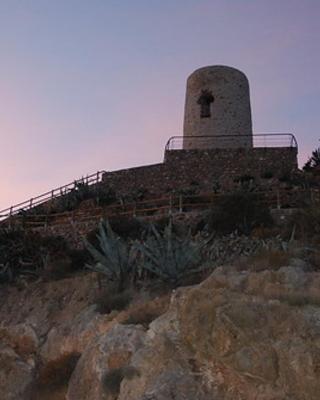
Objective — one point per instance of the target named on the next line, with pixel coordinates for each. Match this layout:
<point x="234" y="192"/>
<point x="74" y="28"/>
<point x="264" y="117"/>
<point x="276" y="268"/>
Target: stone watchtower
<point x="217" y="106"/>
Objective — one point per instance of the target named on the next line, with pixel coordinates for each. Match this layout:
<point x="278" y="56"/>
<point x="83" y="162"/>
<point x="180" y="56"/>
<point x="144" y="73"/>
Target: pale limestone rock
<point x="16" y="375"/>
<point x="109" y="351"/>
<point x="21" y="337"/>
<point x="73" y="335"/>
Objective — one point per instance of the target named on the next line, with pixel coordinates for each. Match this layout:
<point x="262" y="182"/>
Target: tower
<point x="217" y="109"/>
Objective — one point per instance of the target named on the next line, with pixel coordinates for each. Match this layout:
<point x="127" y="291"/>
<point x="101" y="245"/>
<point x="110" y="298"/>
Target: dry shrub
<point x="144" y="314"/>
<point x="239" y="211"/>
<point x="305" y="223"/>
<point x="54" y="377"/>
<point x="263" y="232"/>
<point x="265" y="259"/>
<point x="297" y="298"/>
<point x="108" y="299"/>
<point x="55" y="269"/>
<point x="314" y="259"/>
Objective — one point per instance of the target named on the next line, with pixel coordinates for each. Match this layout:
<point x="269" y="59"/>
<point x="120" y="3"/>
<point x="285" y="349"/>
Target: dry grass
<point x="265" y="259"/>
<point x="108" y="300"/>
<point x="262" y="232"/>
<point x="144" y="314"/>
<point x="297" y="298"/>
<point x="52" y="382"/>
<point x="141" y="317"/>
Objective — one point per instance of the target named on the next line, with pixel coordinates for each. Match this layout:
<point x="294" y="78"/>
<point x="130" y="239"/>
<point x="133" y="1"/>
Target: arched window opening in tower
<point x="205" y="101"/>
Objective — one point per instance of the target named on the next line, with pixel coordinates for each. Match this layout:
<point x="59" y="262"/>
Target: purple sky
<point x="100" y="84"/>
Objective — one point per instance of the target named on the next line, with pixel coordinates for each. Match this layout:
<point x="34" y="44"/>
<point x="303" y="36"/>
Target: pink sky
<point x="98" y="85"/>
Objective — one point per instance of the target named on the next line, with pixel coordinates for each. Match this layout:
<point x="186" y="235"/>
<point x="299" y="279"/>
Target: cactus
<point x="114" y="258"/>
<point x="168" y="256"/>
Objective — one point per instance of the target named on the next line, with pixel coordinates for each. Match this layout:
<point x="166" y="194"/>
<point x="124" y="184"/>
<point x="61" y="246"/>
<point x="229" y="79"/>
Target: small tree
<point x="314" y="160"/>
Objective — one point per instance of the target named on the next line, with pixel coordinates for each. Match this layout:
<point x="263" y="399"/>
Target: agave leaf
<point x="114" y="258"/>
<point x="169" y="256"/>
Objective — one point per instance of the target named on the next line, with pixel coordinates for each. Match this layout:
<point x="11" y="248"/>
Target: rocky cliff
<point x="237" y="335"/>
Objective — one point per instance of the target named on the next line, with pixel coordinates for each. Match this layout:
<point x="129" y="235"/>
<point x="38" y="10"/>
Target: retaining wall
<point x="204" y="169"/>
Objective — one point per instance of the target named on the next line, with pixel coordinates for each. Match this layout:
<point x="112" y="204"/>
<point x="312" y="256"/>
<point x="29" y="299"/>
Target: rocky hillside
<point x="237" y="335"/>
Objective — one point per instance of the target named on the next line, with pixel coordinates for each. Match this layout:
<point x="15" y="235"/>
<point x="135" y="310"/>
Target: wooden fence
<point x="159" y="206"/>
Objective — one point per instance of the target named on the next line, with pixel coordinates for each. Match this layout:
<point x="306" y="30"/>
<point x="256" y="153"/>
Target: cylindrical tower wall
<point x="217" y="103"/>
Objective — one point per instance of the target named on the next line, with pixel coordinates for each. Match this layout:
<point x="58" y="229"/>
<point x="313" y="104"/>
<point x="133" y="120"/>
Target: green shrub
<point x="305" y="223"/>
<point x="103" y="196"/>
<point x="240" y="212"/>
<point x="244" y="178"/>
<point x="25" y="253"/>
<point x="285" y="177"/>
<point x="127" y="227"/>
<point x="267" y="175"/>
<point x="79" y="258"/>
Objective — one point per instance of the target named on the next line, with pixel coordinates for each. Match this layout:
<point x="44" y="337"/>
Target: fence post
<point x="135" y="210"/>
<point x="170" y="205"/>
<point x="180" y="203"/>
<point x="278" y="200"/>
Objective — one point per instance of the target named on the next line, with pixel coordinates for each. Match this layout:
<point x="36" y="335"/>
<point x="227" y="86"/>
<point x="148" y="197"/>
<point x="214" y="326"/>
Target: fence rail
<point x="158" y="206"/>
<point x="258" y="140"/>
<point x="52" y="194"/>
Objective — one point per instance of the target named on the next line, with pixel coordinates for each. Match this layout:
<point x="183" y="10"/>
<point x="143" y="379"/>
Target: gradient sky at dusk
<point x="88" y="85"/>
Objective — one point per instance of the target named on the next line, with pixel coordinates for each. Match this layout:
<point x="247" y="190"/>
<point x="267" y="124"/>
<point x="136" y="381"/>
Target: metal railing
<point x="259" y="140"/>
<point x="52" y="194"/>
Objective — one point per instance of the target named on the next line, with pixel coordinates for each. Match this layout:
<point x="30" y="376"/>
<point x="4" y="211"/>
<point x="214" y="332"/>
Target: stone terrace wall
<point x="73" y="232"/>
<point x="204" y="168"/>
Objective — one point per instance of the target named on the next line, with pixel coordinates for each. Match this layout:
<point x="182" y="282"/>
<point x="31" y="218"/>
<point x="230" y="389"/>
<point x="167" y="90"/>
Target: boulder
<point x="73" y="335"/>
<point x="103" y="364"/>
<point x="16" y="375"/>
<point x="22" y="338"/>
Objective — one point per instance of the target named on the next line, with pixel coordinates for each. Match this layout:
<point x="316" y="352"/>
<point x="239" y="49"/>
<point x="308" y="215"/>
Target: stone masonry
<point x="217" y="103"/>
<point x="204" y="169"/>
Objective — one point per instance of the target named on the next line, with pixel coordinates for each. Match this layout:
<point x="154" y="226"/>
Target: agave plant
<point x="114" y="258"/>
<point x="169" y="256"/>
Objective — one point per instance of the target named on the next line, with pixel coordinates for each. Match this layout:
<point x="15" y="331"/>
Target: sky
<point x="100" y="84"/>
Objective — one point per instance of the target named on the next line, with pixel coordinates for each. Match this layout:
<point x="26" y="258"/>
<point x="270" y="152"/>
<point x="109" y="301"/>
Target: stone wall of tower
<point x="217" y="103"/>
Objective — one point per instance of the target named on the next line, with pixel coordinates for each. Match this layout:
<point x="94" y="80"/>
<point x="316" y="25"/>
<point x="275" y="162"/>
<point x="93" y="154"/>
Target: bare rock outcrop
<point x="16" y="375"/>
<point x="234" y="337"/>
<point x="110" y="352"/>
<point x="238" y="335"/>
